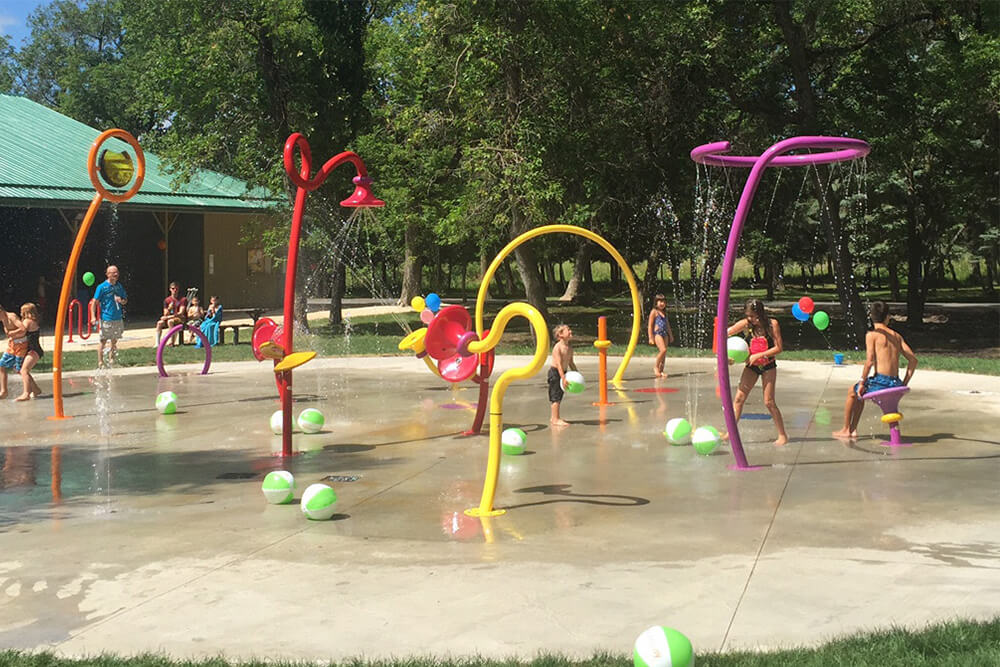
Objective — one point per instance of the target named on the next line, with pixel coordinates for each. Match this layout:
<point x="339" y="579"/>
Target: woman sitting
<point x="210" y="326"/>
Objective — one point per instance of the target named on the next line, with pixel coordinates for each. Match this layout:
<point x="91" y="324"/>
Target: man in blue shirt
<point x="110" y="295"/>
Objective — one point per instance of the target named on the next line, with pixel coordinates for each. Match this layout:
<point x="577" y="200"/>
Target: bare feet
<point x="24" y="397"/>
<point x="845" y="433"/>
<point x="3" y="394"/>
<point x="724" y="436"/>
<point x="781" y="441"/>
<point x="559" y="422"/>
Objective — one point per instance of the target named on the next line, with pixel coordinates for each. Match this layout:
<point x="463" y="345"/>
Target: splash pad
<point x="837" y="149"/>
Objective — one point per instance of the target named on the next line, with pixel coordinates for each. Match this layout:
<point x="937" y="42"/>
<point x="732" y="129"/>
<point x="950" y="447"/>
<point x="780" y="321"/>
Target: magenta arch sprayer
<point x="836" y="149"/>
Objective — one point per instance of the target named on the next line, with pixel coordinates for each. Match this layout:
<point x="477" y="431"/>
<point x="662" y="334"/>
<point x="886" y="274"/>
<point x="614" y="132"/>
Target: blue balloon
<point x="799" y="314"/>
<point x="433" y="301"/>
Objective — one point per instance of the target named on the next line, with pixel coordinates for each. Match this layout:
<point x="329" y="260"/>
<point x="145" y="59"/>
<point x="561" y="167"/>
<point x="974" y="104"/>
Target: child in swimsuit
<point x="765" y="345"/>
<point x="562" y="361"/>
<point x="660" y="333"/>
<point x="30" y="317"/>
<point x="17" y="348"/>
<point x="883" y="346"/>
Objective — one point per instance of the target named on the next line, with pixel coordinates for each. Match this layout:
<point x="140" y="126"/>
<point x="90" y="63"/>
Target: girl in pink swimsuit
<point x="765" y="344"/>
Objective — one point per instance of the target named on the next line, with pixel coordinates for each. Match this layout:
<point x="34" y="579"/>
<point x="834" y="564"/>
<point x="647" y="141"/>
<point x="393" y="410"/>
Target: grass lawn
<point x="964" y="643"/>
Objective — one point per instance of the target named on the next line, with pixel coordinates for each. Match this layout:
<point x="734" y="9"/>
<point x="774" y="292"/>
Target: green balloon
<point x="88" y="279"/>
<point x="821" y="320"/>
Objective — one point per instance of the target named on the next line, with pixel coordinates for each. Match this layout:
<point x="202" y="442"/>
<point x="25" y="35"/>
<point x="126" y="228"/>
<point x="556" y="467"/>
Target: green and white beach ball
<point x="513" y="441"/>
<point x="278" y="487"/>
<point x="574" y="382"/>
<point x="276" y="422"/>
<point x="166" y="402"/>
<point x="678" y="431"/>
<point x="318" y="502"/>
<point x="662" y="647"/>
<point x="737" y="349"/>
<point x="705" y="439"/>
<point x="311" y="420"/>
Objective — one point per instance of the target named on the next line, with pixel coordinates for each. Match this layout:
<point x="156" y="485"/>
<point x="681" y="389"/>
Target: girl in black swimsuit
<point x="29" y="315"/>
<point x="765" y="344"/>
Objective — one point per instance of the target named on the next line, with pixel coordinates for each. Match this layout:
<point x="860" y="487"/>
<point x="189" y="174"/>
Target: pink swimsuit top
<point x="759" y="344"/>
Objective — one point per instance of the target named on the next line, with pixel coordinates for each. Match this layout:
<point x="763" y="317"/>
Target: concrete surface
<point x="124" y="530"/>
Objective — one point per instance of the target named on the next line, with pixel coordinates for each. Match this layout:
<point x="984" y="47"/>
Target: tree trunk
<point x="484" y="264"/>
<point x="580" y="263"/>
<point x="650" y="281"/>
<point x="769" y="280"/>
<point x="914" y="254"/>
<point x="795" y="36"/>
<point x="412" y="266"/>
<point x="893" y="276"/>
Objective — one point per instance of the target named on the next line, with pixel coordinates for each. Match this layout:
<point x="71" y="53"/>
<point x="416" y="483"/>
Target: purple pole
<point x="844" y="149"/>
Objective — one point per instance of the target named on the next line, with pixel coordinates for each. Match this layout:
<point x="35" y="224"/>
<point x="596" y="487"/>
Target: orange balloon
<point x="161" y="244"/>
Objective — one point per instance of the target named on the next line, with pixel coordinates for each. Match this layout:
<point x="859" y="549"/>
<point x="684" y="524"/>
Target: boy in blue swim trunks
<point x="882" y="349"/>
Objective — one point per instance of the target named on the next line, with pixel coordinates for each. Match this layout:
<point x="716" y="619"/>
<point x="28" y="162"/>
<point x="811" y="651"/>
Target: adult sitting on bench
<point x="883" y="346"/>
<point x="174" y="313"/>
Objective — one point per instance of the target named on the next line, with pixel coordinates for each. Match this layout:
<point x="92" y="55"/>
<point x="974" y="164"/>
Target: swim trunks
<point x="11" y="361"/>
<point x="555" y="386"/>
<point x="878" y="382"/>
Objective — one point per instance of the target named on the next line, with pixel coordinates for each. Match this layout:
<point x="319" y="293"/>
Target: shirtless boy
<point x="562" y="360"/>
<point x="882" y="347"/>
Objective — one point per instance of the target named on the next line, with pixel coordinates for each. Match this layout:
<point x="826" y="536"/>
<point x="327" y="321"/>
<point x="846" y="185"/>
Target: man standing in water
<point x="111" y="297"/>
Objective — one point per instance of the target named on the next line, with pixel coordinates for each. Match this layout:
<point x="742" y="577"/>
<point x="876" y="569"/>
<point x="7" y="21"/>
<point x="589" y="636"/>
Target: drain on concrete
<point x="341" y="478"/>
<point x="237" y="475"/>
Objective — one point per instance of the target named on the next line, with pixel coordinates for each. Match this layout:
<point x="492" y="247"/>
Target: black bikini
<point x="34" y="345"/>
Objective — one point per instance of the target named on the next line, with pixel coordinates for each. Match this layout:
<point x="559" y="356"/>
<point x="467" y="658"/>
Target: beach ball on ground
<point x="166" y="402"/>
<point x="276" y="422"/>
<point x="278" y="487"/>
<point x="88" y="279"/>
<point x="798" y="313"/>
<point x="678" y="431"/>
<point x="821" y="320"/>
<point x="318" y="502"/>
<point x="513" y="441"/>
<point x="705" y="439"/>
<point x="311" y="420"/>
<point x="737" y="349"/>
<point x="661" y="646"/>
<point x="574" y="382"/>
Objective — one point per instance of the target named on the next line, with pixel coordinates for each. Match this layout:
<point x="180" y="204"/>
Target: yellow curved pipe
<point x="496" y="400"/>
<point x="596" y="238"/>
<point x="415" y="341"/>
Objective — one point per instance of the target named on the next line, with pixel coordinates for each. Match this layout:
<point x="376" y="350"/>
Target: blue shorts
<point x="878" y="382"/>
<point x="8" y="360"/>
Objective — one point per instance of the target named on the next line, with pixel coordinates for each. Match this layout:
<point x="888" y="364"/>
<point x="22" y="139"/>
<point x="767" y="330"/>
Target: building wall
<point x="237" y="272"/>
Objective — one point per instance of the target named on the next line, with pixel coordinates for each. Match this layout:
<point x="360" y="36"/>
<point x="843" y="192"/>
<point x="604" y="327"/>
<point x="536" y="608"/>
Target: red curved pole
<point x="361" y="198"/>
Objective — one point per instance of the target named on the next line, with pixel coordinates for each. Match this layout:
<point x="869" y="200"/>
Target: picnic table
<point x="253" y="313"/>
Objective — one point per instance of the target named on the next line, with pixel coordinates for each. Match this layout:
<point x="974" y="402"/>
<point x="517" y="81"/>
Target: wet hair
<point x="756" y="306"/>
<point x="29" y="309"/>
<point x="557" y="328"/>
<point x="879" y="311"/>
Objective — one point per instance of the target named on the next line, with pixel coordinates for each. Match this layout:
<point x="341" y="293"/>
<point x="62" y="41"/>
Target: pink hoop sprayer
<point x="836" y="149"/>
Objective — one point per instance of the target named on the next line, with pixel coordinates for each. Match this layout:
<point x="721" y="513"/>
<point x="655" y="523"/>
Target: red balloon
<point x="807" y="305"/>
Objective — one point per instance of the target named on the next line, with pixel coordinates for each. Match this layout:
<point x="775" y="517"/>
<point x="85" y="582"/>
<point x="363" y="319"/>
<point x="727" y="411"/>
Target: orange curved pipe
<point x="81" y="236"/>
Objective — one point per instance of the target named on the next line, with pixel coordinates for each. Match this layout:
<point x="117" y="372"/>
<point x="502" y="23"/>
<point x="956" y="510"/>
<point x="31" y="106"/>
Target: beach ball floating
<point x="678" y="431"/>
<point x="278" y="487"/>
<point x="705" y="439"/>
<point x="166" y="403"/>
<point x="574" y="382"/>
<point x="821" y="320"/>
<point x="311" y="420"/>
<point x="737" y="349"/>
<point x="513" y="441"/>
<point x="88" y="279"/>
<point x="318" y="502"/>
<point x="660" y="646"/>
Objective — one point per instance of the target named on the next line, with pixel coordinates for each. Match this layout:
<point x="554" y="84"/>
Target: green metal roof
<point x="43" y="163"/>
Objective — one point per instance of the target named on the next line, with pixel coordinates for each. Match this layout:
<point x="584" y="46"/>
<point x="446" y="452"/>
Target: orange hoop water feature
<point x="81" y="236"/>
